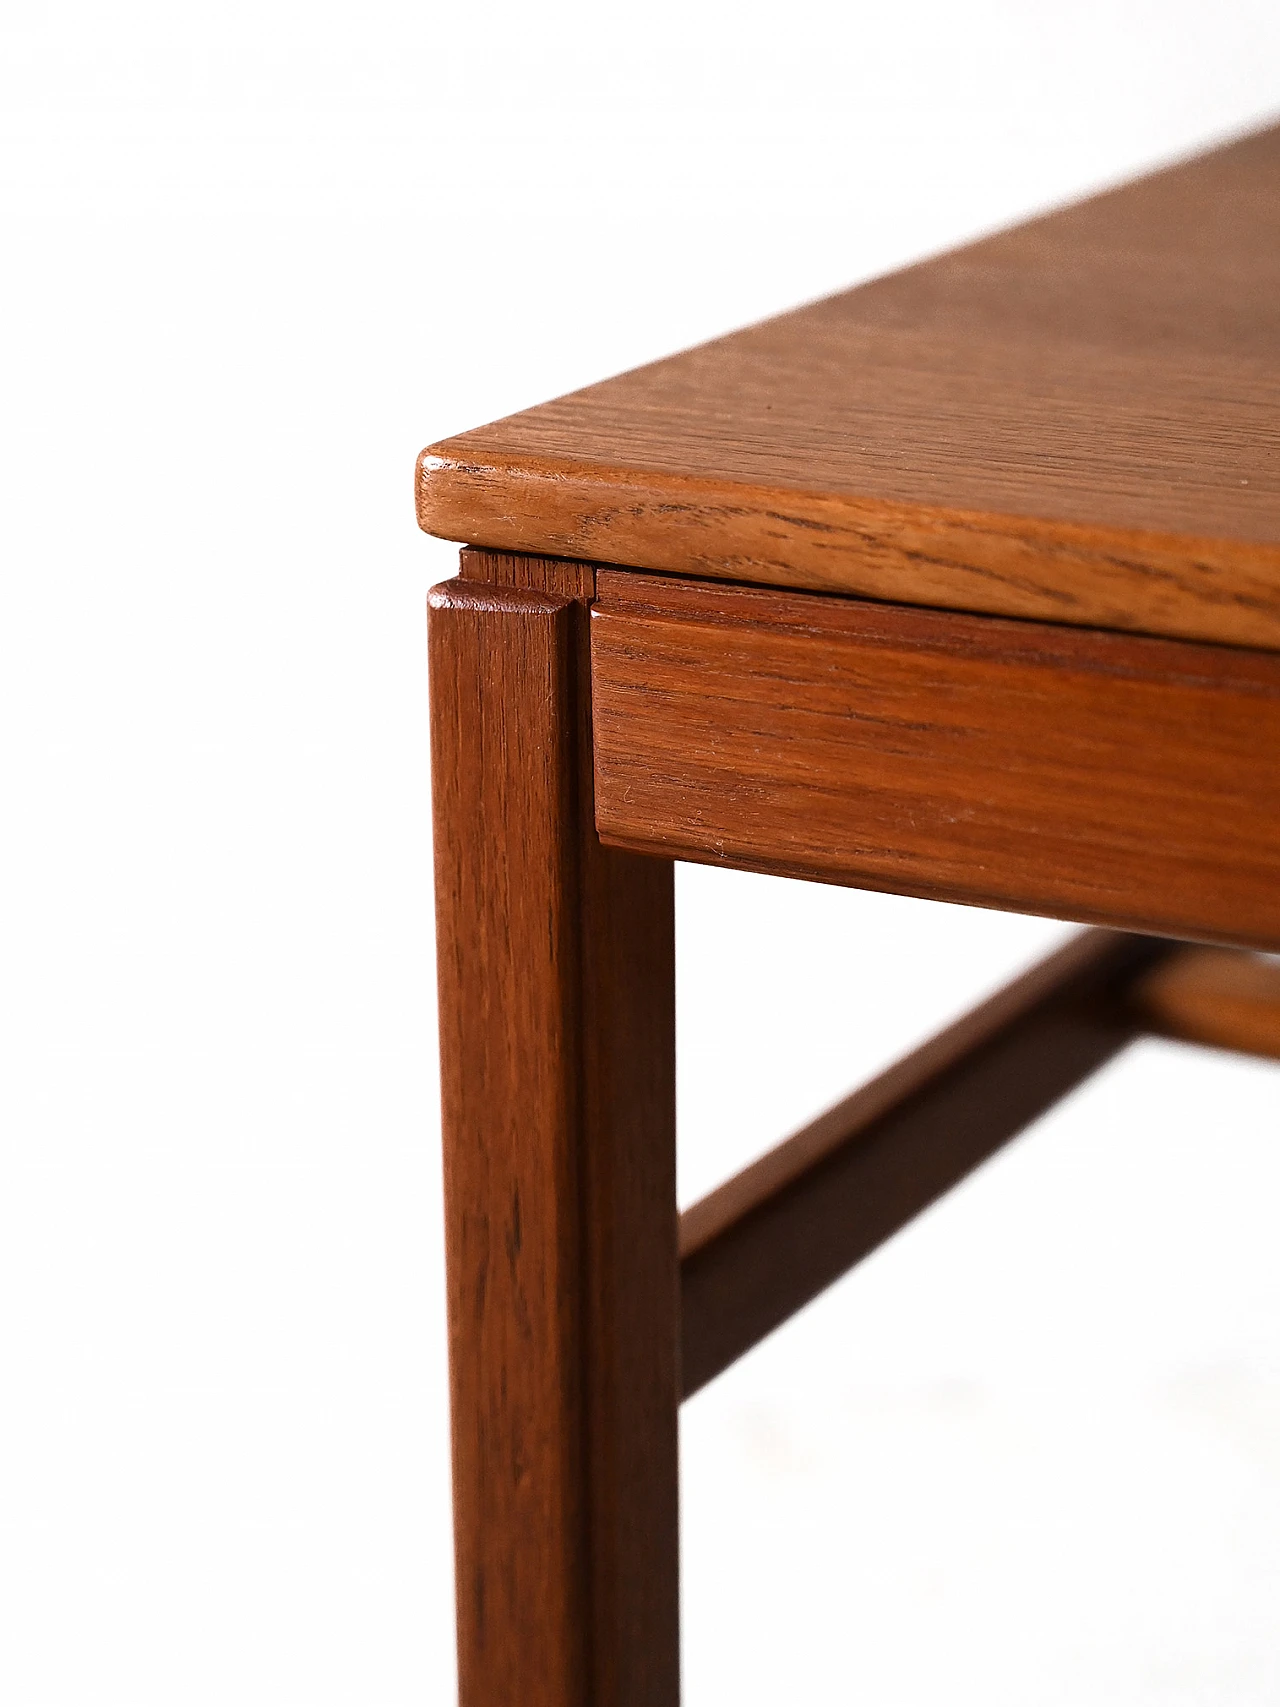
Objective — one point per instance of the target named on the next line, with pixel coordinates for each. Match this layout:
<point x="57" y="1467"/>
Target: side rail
<point x="761" y="1246"/>
<point x="1106" y="778"/>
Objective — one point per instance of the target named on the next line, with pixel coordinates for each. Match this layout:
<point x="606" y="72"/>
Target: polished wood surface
<point x="1077" y="420"/>
<point x="563" y="577"/>
<point x="1106" y="778"/>
<point x="556" y="977"/>
<point x="1216" y="997"/>
<point x="769" y="1240"/>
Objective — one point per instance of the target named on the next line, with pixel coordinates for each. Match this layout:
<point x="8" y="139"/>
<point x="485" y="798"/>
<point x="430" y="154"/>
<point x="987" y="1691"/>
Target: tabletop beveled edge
<point x="1135" y="581"/>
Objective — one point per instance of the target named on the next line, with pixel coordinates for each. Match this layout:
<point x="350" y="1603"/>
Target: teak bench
<point x="964" y="584"/>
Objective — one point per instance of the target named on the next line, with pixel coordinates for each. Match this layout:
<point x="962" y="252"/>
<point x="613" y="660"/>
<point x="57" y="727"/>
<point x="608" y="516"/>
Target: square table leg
<point x="556" y="978"/>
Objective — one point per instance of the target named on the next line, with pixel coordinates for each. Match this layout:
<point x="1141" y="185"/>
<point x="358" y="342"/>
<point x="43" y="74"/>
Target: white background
<point x="256" y="255"/>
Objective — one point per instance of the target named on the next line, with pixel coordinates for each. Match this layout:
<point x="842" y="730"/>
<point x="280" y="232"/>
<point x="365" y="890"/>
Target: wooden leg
<point x="556" y="972"/>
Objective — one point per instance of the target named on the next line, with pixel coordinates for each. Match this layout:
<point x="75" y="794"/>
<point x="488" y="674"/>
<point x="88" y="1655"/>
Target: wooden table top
<point x="1076" y="420"/>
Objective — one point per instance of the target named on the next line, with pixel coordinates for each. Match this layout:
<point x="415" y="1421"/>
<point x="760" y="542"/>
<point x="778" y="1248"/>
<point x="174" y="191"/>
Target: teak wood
<point x="557" y="1074"/>
<point x="1006" y="529"/>
<point x="1077" y="420"/>
<point x="1212" y="996"/>
<point x="1099" y="777"/>
<point x="556" y="980"/>
<point x="769" y="1240"/>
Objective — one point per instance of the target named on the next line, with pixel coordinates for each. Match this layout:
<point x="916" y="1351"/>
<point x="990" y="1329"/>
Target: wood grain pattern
<point x="563" y="577"/>
<point x="1077" y="421"/>
<point x="557" y="1070"/>
<point x="1098" y="777"/>
<point x="1214" y="996"/>
<point x="771" y="1239"/>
